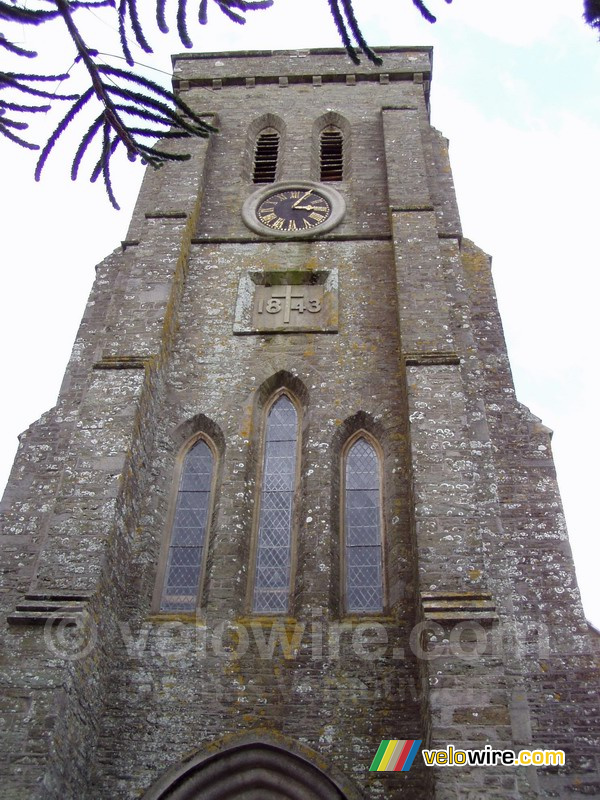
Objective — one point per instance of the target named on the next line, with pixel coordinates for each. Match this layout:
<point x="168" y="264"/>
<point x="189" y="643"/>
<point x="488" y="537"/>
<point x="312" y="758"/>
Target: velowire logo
<point x="395" y="755"/>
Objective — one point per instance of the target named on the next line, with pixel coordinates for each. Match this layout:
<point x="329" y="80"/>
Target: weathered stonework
<point x="483" y="639"/>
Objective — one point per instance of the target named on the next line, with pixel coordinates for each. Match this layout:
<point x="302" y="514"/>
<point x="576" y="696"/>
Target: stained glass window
<point x="273" y="558"/>
<point x="362" y="518"/>
<point x="184" y="563"/>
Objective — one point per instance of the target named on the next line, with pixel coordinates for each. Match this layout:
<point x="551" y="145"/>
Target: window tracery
<point x="182" y="576"/>
<point x="362" y="516"/>
<point x="274" y="540"/>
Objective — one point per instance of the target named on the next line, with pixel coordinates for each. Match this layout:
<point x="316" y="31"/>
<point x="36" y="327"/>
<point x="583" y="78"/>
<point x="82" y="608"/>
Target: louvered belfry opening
<point x="332" y="154"/>
<point x="266" y="153"/>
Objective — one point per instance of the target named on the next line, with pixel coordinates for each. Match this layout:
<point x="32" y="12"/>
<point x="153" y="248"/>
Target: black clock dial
<point x="292" y="210"/>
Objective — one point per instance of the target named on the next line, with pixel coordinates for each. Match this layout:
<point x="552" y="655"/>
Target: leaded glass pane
<point x="362" y="506"/>
<point x="184" y="562"/>
<point x="271" y="588"/>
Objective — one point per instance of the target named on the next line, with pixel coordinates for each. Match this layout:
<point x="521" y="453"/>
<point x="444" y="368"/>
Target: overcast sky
<point x="515" y="89"/>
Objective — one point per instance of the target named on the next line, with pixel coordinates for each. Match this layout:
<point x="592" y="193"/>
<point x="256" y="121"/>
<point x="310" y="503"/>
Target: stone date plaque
<point x="291" y="301"/>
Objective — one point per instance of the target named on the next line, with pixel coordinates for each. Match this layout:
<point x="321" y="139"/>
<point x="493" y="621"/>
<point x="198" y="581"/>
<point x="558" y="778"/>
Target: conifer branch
<point x="8" y="134"/>
<point x="357" y="33"/>
<point x="60" y="129"/>
<point x="103" y="165"/>
<point x="83" y="145"/>
<point x="227" y="9"/>
<point x="16" y="80"/>
<point x="12" y="123"/>
<point x="591" y="13"/>
<point x="425" y="12"/>
<point x="161" y="20"/>
<point x="342" y="30"/>
<point x="129" y="8"/>
<point x="151" y="133"/>
<point x="22" y="107"/>
<point x="182" y="24"/>
<point x="14" y="48"/>
<point x="141" y="96"/>
<point x="25" y="16"/>
<point x="152" y="152"/>
<point x="143" y="113"/>
<point x="124" y="95"/>
<point x="19" y="82"/>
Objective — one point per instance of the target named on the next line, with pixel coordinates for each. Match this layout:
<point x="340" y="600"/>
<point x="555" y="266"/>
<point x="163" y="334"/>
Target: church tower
<point x="287" y="505"/>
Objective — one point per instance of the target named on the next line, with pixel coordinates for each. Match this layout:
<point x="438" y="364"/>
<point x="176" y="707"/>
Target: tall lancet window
<point x="188" y="536"/>
<point x="266" y="154"/>
<point x="362" y="528"/>
<point x="274" y="550"/>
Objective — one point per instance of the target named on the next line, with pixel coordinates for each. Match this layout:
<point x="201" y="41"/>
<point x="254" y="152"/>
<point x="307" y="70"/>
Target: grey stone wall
<point x="483" y="639"/>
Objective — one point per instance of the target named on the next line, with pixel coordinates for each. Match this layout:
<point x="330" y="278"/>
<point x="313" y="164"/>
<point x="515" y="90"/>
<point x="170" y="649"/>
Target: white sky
<point x="515" y="89"/>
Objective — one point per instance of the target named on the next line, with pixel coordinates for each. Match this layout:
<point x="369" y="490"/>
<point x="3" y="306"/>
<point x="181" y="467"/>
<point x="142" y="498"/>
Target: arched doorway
<point x="249" y="771"/>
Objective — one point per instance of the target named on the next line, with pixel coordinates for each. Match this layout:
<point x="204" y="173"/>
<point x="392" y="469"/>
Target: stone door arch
<point x="249" y="771"/>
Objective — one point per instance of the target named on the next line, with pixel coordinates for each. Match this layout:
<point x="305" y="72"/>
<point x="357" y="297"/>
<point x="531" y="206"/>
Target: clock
<point x="293" y="208"/>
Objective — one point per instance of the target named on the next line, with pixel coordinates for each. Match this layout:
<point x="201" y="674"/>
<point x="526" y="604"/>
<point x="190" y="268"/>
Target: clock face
<point x="295" y="209"/>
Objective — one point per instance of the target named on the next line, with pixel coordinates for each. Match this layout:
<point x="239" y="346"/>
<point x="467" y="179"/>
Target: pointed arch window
<point x="363" y="528"/>
<point x="279" y="478"/>
<point x="185" y="558"/>
<point x="331" y="154"/>
<point x="266" y="155"/>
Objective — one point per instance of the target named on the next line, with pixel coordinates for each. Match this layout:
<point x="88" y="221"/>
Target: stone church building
<point x="287" y="505"/>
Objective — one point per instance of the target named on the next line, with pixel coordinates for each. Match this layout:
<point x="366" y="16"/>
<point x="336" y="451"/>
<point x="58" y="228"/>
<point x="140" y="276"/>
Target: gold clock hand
<point x="311" y="208"/>
<point x="295" y="205"/>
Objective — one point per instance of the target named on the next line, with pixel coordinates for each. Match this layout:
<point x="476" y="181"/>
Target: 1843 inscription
<point x="278" y="306"/>
<point x="287" y="301"/>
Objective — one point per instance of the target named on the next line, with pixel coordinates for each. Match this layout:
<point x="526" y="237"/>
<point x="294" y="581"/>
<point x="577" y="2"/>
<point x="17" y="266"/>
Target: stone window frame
<point x="361" y="433"/>
<point x="331" y="129"/>
<point x="253" y="555"/>
<point x="262" y="169"/>
<point x="161" y="572"/>
<point x="256" y="127"/>
<point x="331" y="119"/>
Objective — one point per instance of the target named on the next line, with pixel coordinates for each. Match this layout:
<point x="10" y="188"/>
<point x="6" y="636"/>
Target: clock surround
<point x="291" y="209"/>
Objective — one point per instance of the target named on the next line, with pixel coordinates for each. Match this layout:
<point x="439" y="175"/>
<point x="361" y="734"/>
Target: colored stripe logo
<point x="395" y="755"/>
